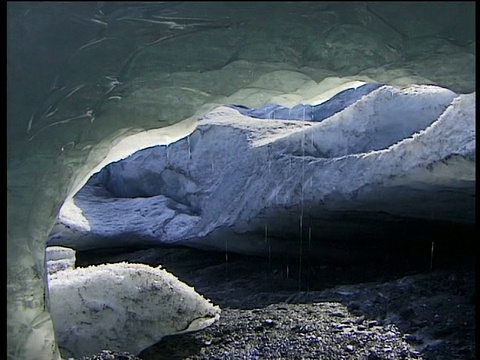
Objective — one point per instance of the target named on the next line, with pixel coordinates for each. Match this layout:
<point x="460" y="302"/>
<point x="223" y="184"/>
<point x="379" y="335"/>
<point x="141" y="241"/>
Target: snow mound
<point x="123" y="307"/>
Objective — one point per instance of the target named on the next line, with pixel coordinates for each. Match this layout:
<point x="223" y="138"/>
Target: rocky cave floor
<point x="271" y="310"/>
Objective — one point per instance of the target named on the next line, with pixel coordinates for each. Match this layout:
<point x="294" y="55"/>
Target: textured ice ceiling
<point x="82" y="78"/>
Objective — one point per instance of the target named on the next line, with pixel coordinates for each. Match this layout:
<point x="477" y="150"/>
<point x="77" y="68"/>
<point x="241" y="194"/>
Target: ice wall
<point x="380" y="154"/>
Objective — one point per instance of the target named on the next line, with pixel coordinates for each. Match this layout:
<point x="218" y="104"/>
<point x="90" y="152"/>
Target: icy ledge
<point x="401" y="152"/>
<point x="122" y="307"/>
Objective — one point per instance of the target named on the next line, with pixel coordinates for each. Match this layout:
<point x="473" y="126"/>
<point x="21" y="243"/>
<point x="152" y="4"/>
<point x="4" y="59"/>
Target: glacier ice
<point x="379" y="154"/>
<point x="53" y="49"/>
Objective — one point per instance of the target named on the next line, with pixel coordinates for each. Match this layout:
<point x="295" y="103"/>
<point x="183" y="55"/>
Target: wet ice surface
<point x="381" y="310"/>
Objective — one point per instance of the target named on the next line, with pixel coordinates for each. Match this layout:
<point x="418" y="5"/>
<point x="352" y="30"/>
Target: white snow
<point x="123" y="307"/>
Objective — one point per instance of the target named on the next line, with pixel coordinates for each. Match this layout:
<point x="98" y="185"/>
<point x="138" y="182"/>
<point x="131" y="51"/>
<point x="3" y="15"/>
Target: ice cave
<point x="314" y="135"/>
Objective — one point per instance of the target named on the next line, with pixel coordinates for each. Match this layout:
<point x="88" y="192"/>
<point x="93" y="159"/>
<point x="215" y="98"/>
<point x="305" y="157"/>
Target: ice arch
<point x="93" y="74"/>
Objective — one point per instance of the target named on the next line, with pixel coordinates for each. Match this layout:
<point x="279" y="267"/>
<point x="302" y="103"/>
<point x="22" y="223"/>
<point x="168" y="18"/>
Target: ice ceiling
<point x="89" y="83"/>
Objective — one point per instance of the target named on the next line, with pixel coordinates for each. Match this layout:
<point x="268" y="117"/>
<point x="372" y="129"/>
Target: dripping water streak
<point x="309" y="239"/>
<point x="268" y="160"/>
<point x="300" y="256"/>
<point x="309" y="255"/>
<point x="269" y="257"/>
<point x="431" y="256"/>
<point x="226" y="259"/>
<point x="301" y="204"/>
<point x="269" y="253"/>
